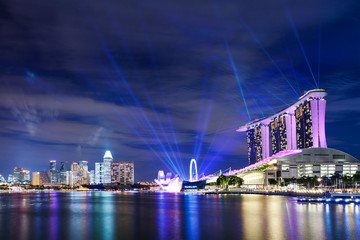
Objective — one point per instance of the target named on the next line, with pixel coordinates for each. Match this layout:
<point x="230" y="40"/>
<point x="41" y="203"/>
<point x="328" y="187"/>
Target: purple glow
<point x="315" y="93"/>
<point x="315" y="122"/>
<point x="265" y="141"/>
<point x="322" y="137"/>
<point x="258" y="164"/>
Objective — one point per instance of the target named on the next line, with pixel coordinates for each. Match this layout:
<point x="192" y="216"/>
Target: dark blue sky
<point x="162" y="81"/>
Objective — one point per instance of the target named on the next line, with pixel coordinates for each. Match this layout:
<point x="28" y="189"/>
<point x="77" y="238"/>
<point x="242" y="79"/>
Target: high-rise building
<point x="300" y="126"/>
<point x="63" y="173"/>
<point x="53" y="171"/>
<point x="254" y="144"/>
<point x="122" y="172"/>
<point x="115" y="172"/>
<point x="10" y="179"/>
<point x="99" y="172"/>
<point x="278" y="134"/>
<point x="79" y="174"/>
<point x="92" y="177"/>
<point x="18" y="176"/>
<point x="35" y="179"/>
<point x="41" y="178"/>
<point x="26" y="176"/>
<point x="126" y="173"/>
<point x="108" y="159"/>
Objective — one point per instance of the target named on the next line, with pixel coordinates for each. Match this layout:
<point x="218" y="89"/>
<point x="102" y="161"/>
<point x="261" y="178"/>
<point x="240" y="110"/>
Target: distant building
<point x="115" y="172"/>
<point x="53" y="171"/>
<point x="26" y="176"/>
<point x="108" y="159"/>
<point x="35" y="179"/>
<point x="92" y="176"/>
<point x="126" y="173"/>
<point x="21" y="176"/>
<point x="63" y="173"/>
<point x="122" y="172"/>
<point x="17" y="173"/>
<point x="10" y="179"/>
<point x="99" y="172"/>
<point x="41" y="178"/>
<point x="2" y="179"/>
<point x="79" y="174"/>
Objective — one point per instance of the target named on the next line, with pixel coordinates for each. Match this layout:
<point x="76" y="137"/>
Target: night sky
<point x="161" y="82"/>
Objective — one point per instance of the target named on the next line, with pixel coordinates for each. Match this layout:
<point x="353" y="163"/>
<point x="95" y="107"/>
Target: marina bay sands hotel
<point x="292" y="143"/>
<point x="302" y="125"/>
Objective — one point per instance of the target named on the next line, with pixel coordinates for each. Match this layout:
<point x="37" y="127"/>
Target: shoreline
<point x="277" y="193"/>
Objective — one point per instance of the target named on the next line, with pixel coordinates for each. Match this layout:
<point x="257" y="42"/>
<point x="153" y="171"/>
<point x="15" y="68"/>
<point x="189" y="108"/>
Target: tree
<point x="356" y="178"/>
<point x="235" y="180"/>
<point x="222" y="181"/>
<point x="273" y="182"/>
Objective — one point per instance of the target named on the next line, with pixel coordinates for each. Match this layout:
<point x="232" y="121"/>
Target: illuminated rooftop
<point x="314" y="93"/>
<point x="108" y="154"/>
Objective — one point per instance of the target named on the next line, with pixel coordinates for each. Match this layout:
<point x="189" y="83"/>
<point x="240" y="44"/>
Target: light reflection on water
<point x="107" y="215"/>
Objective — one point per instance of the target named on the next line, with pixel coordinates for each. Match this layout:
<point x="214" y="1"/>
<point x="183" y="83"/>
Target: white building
<point x="92" y="176"/>
<point x="99" y="169"/>
<point x="108" y="159"/>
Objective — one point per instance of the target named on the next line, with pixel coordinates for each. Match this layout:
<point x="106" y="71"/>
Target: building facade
<point x="300" y="126"/>
<point x="122" y="172"/>
<point x="99" y="172"/>
<point x="107" y="161"/>
<point x="79" y="174"/>
<point x="53" y="171"/>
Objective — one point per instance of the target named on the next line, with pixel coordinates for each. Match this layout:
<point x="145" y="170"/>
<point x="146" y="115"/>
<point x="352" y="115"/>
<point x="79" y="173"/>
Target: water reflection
<point x="107" y="215"/>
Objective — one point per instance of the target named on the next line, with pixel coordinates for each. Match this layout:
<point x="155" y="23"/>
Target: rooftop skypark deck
<point x="314" y="93"/>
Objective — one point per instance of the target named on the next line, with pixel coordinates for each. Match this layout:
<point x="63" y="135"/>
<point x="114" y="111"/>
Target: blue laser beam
<point x="237" y="77"/>
<point x="299" y="40"/>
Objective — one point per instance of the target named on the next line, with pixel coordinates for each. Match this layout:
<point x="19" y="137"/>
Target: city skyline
<point x="162" y="83"/>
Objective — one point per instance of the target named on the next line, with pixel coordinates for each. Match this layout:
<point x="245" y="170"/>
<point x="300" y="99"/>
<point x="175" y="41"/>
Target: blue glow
<point x="299" y="42"/>
<point x="237" y="77"/>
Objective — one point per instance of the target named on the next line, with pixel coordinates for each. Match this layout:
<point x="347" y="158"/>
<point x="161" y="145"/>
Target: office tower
<point x="79" y="174"/>
<point x="92" y="176"/>
<point x="115" y="172"/>
<point x="53" y="171"/>
<point x="10" y="179"/>
<point x="35" y="179"/>
<point x="18" y="175"/>
<point x="26" y="176"/>
<point x="122" y="172"/>
<point x="126" y="173"/>
<point x="99" y="172"/>
<point x="108" y="159"/>
<point x="63" y="173"/>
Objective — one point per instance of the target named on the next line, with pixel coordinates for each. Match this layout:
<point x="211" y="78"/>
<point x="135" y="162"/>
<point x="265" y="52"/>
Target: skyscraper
<point x="126" y="173"/>
<point x="92" y="177"/>
<point x="99" y="172"/>
<point x="79" y="174"/>
<point x="254" y="144"/>
<point x="122" y="172"/>
<point x="17" y="173"/>
<point x="53" y="171"/>
<point x="108" y="159"/>
<point x="299" y="126"/>
<point x="63" y="172"/>
<point x="115" y="172"/>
